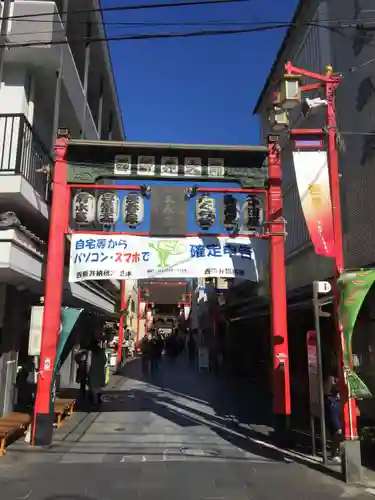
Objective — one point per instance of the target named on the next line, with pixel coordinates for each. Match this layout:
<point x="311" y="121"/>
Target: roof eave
<point x="161" y="145"/>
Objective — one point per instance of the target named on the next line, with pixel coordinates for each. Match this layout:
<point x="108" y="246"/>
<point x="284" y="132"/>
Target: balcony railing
<point x="23" y="153"/>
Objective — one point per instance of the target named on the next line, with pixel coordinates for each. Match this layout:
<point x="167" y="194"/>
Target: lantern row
<point x="107" y="210"/>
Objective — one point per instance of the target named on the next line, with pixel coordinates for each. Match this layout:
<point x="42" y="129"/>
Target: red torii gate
<point x="59" y="226"/>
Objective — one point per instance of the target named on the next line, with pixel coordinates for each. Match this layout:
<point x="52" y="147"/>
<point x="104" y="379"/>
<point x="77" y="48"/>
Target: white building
<point x="31" y="109"/>
<point x="350" y="50"/>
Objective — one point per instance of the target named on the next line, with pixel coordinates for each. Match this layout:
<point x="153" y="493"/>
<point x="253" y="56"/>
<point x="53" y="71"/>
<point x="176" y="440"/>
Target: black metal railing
<point x="23" y="153"/>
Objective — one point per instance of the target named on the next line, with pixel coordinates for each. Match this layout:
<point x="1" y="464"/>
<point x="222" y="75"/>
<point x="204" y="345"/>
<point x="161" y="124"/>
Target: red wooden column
<point x="44" y="404"/>
<point x="279" y="326"/>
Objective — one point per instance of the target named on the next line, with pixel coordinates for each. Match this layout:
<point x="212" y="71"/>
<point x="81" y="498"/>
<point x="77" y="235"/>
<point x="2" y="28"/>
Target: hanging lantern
<point x="290" y="92"/>
<point x="278" y="119"/>
<point x="133" y="210"/>
<point x="108" y="208"/>
<point x="83" y="208"/>
<point x="231" y="214"/>
<point x="253" y="212"/>
<point x="205" y="211"/>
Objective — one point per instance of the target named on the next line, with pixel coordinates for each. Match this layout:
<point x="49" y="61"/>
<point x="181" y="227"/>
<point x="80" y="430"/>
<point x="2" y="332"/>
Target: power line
<point x="142" y="36"/>
<point x="341" y="21"/>
<point x="145" y="36"/>
<point x="262" y="25"/>
<point x="192" y="34"/>
<point x="127" y="7"/>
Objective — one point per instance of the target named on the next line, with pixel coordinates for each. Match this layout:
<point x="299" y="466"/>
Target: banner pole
<point x="349" y="405"/>
<point x="319" y="365"/>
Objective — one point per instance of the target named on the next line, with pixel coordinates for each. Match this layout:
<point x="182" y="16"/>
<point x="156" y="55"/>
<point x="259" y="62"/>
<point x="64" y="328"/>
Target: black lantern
<point x="231" y="212"/>
<point x="253" y="212"/>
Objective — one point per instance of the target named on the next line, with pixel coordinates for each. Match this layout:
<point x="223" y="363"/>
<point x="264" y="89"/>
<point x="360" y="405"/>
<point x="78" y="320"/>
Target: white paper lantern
<point x="205" y="211"/>
<point x="108" y="208"/>
<point x="133" y="210"/>
<point x="83" y="208"/>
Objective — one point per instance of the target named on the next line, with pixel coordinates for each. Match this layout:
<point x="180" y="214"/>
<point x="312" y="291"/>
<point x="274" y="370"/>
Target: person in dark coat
<point x="192" y="348"/>
<point x="96" y="372"/>
<point x="81" y="358"/>
<point x="146" y="352"/>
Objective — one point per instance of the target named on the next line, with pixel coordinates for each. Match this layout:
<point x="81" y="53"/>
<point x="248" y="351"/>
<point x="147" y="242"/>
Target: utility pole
<point x="3" y="36"/>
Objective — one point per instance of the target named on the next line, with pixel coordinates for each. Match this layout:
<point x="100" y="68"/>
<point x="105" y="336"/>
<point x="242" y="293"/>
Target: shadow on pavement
<point x="238" y="411"/>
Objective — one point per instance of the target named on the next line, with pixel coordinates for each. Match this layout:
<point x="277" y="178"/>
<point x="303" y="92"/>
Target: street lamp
<point x="289" y="94"/>
<point x="278" y="118"/>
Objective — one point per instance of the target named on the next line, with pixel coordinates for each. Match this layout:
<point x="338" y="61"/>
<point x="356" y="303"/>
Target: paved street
<point x="178" y="434"/>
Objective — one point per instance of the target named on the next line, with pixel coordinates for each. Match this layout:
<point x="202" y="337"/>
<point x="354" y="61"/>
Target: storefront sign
<point x="311" y="168"/>
<point x="139" y="257"/>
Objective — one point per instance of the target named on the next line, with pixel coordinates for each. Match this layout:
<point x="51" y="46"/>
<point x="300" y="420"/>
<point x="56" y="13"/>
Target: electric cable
<point x="127" y="7"/>
<point x="145" y="36"/>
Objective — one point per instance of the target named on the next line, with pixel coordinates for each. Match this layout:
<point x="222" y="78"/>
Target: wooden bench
<point x="63" y="407"/>
<point x="12" y="425"/>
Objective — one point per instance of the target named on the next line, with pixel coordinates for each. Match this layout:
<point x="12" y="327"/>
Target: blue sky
<point x="197" y="90"/>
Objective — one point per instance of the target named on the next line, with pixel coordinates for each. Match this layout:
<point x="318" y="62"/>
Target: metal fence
<point x="23" y="153"/>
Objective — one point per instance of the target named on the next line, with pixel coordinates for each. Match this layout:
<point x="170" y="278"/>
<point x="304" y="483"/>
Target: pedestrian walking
<point x="192" y="348"/>
<point x="81" y="358"/>
<point x="97" y="372"/>
<point x="332" y="405"/>
<point x="145" y="353"/>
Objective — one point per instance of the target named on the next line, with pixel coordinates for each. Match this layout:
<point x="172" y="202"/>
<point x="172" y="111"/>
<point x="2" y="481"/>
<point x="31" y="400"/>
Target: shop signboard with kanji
<point x="141" y="257"/>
